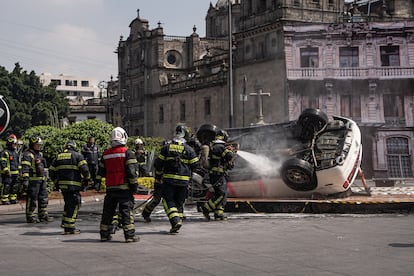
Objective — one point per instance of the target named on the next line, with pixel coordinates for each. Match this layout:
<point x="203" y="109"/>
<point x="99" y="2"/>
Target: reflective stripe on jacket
<point x="69" y="168"/>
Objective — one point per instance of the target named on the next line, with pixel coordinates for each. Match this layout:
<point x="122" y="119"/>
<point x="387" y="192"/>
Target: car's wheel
<point x="206" y="133"/>
<point x="298" y="174"/>
<point x="311" y="121"/>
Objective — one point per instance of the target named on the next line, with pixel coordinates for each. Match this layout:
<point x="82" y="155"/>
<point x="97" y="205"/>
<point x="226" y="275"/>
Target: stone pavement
<point x="246" y="244"/>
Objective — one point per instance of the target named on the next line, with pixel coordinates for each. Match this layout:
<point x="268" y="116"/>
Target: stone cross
<point x="260" y="94"/>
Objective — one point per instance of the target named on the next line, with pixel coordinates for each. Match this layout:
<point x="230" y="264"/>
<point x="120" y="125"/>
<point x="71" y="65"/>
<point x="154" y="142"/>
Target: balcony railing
<point x="350" y="73"/>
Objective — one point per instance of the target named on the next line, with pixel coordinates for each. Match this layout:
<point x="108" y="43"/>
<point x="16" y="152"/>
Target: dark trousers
<point x="155" y="200"/>
<point x="173" y="200"/>
<point x="36" y="195"/>
<point x="125" y="200"/>
<point x="93" y="168"/>
<point x="10" y="188"/>
<point x="218" y="201"/>
<point x="73" y="201"/>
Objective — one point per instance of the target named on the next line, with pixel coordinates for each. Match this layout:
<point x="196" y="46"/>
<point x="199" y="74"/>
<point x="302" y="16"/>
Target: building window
<point x="71" y="83"/>
<point x="393" y="108"/>
<point x="161" y="114"/>
<point x="260" y="50"/>
<point x="398" y="157"/>
<point x="56" y="82"/>
<point x="262" y="6"/>
<point x="296" y="3"/>
<point x="207" y="106"/>
<point x="85" y="83"/>
<point x="390" y="55"/>
<point x="351" y="106"/>
<point x="309" y="57"/>
<point x="348" y="57"/>
<point x="182" y="111"/>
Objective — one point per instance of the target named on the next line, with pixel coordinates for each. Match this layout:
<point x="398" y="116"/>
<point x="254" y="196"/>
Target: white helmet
<point x="138" y="141"/>
<point x="118" y="137"/>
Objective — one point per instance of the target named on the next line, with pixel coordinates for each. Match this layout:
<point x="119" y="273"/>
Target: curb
<point x="21" y="205"/>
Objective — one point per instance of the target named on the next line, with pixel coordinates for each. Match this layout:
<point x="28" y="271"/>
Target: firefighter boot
<point x="105" y="236"/>
<point x="71" y="231"/>
<point x="219" y="214"/>
<point x="205" y="212"/>
<point x="175" y="225"/>
<point x="132" y="238"/>
<point x="46" y="219"/>
<point x="31" y="219"/>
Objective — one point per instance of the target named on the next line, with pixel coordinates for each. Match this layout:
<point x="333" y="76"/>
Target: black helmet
<point x="222" y="135"/>
<point x="181" y="131"/>
<point x="70" y="144"/>
<point x="35" y="140"/>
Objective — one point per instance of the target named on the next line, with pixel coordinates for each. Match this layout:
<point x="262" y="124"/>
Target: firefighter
<point x="70" y="173"/>
<point x="141" y="156"/>
<point x="90" y="152"/>
<point x="156" y="197"/>
<point x="34" y="181"/>
<point x="221" y="160"/>
<point x="174" y="166"/>
<point x="10" y="165"/>
<point x="119" y="166"/>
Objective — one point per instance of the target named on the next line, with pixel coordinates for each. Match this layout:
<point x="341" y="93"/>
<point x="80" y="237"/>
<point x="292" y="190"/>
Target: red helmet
<point x="12" y="139"/>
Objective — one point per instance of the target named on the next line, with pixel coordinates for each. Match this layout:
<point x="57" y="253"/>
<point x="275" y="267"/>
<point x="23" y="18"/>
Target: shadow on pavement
<point x="402" y="245"/>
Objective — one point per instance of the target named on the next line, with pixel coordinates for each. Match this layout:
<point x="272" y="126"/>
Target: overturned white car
<point x="303" y="158"/>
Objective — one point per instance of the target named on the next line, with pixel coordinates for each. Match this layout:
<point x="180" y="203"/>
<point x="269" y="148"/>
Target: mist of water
<point x="262" y="165"/>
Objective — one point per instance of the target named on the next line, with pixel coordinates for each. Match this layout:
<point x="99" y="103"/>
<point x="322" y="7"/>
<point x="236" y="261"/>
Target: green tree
<point x="30" y="103"/>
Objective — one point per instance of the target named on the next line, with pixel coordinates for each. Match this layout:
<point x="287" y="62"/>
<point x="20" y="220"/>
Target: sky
<point x="79" y="37"/>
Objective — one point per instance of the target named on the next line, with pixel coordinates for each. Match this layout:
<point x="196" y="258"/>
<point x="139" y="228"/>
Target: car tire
<point x="311" y="120"/>
<point x="298" y="175"/>
<point x="206" y="133"/>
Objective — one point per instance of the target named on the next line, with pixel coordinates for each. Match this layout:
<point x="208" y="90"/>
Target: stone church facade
<point x="354" y="59"/>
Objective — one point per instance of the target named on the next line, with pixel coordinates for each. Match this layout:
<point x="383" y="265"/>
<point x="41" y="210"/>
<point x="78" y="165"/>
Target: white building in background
<point x="85" y="96"/>
<point x="75" y="88"/>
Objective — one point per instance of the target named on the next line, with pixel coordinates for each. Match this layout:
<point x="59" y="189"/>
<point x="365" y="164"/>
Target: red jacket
<point x="118" y="166"/>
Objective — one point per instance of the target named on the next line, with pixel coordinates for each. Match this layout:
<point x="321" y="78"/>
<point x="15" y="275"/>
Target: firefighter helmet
<point x="118" y="137"/>
<point x="35" y="140"/>
<point x="138" y="141"/>
<point x="222" y="135"/>
<point x="181" y="131"/>
<point x="70" y="144"/>
<point x="12" y="139"/>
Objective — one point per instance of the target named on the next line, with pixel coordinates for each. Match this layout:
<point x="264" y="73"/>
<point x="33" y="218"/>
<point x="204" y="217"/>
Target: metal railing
<point x="350" y="72"/>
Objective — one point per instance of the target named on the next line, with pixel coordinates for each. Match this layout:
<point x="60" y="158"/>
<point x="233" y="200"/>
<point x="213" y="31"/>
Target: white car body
<point x="334" y="162"/>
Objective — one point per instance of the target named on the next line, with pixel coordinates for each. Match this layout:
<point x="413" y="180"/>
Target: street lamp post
<point x="101" y="85"/>
<point x="230" y="65"/>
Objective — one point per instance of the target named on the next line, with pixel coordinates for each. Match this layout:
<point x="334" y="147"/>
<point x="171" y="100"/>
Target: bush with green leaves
<point x="54" y="139"/>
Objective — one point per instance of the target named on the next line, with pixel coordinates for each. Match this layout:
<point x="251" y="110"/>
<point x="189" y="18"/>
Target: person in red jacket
<point x="119" y="166"/>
